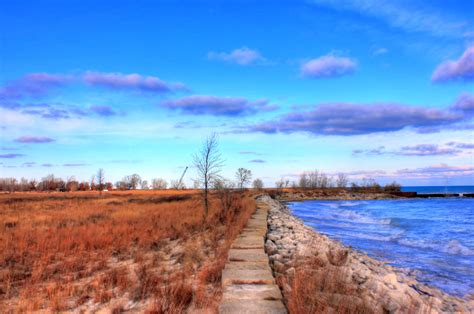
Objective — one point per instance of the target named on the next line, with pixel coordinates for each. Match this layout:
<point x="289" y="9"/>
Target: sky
<point x="370" y="88"/>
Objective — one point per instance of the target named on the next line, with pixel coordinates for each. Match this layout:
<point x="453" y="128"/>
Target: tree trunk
<point x="206" y="204"/>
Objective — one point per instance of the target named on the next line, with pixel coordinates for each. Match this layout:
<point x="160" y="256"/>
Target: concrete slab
<point x="247" y="255"/>
<point x="254" y="307"/>
<point x="247" y="276"/>
<point x="248" y="265"/>
<point x="252" y="292"/>
<point x="254" y="242"/>
<point x="254" y="232"/>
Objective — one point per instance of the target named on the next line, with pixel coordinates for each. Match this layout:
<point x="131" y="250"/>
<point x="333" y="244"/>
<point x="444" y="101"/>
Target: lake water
<point x="458" y="189"/>
<point x="434" y="237"/>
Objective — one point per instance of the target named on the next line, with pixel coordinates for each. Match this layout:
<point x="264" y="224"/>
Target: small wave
<point x="453" y="247"/>
<point x="350" y="204"/>
<point x="372" y="236"/>
<point x="358" y="218"/>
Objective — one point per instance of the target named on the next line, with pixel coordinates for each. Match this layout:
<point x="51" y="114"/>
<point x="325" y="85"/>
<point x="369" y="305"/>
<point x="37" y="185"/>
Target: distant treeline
<point x="307" y="180"/>
<point x="319" y="180"/>
<point x="97" y="183"/>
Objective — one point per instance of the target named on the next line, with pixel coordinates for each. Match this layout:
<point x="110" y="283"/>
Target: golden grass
<point x="79" y="250"/>
<point x="321" y="286"/>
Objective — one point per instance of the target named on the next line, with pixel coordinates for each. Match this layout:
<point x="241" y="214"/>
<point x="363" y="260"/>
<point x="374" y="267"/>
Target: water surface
<point x="433" y="237"/>
<point x="450" y="189"/>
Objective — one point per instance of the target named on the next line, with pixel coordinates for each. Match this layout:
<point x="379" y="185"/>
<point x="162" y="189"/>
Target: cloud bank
<point x="33" y="85"/>
<point x="355" y="119"/>
<point x="464" y="103"/>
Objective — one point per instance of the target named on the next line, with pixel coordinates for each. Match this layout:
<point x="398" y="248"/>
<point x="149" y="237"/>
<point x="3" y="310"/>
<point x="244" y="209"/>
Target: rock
<point x="270" y="247"/>
<point x="391" y="279"/>
<point x="291" y="244"/>
<point x="359" y="279"/>
<point x="275" y="257"/>
<point x="279" y="267"/>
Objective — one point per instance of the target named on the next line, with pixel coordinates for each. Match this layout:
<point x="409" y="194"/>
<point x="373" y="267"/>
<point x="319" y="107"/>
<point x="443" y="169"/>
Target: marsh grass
<point x="64" y="251"/>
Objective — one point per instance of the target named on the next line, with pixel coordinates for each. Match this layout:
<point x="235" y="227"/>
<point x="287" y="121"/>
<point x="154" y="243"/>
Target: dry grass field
<point x="146" y="251"/>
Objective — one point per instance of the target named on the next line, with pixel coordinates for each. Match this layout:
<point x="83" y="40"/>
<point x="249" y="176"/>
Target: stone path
<point x="247" y="279"/>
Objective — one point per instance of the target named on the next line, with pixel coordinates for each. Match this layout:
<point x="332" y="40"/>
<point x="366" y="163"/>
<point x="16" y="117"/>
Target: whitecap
<point x="455" y="247"/>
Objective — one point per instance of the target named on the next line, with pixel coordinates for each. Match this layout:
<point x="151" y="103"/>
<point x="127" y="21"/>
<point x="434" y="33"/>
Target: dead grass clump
<point x="337" y="257"/>
<point x="174" y="297"/>
<point x="320" y="289"/>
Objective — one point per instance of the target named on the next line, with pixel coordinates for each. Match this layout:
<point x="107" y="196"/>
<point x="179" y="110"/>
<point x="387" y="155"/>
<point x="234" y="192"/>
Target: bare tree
<point x="342" y="180"/>
<point x="100" y="179"/>
<point x="33" y="184"/>
<point x="392" y="187"/>
<point x="324" y="181"/>
<point x="304" y="181"/>
<point x="159" y="184"/>
<point x="257" y="184"/>
<point x="144" y="185"/>
<point x="314" y="179"/>
<point x="208" y="162"/>
<point x="224" y="189"/>
<point x="283" y="183"/>
<point x="132" y="182"/>
<point x="243" y="177"/>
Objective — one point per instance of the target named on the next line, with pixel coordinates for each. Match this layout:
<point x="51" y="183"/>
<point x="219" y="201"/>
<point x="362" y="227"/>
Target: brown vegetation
<point x="141" y="250"/>
<point x="318" y="287"/>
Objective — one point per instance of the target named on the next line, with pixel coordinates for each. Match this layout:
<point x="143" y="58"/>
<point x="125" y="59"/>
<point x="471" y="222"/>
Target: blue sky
<point x="381" y="89"/>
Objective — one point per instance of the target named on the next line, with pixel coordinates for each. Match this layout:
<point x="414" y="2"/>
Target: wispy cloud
<point x="328" y="66"/>
<point x="241" y="56"/>
<point x="75" y="165"/>
<point x="380" y="51"/>
<point x="34" y="139"/>
<point x="410" y="16"/>
<point x="105" y="111"/>
<point x="120" y="81"/>
<point x="59" y="111"/>
<point x="258" y="161"/>
<point x="437" y="171"/>
<point x="461" y="145"/>
<point x="11" y="156"/>
<point x="218" y="106"/>
<point x="247" y="152"/>
<point x="453" y="70"/>
<point x="419" y="150"/>
<point x="355" y="119"/>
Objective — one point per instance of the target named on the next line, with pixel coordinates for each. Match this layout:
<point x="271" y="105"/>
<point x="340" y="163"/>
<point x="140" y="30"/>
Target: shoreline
<point x="291" y="245"/>
<point x="290" y="195"/>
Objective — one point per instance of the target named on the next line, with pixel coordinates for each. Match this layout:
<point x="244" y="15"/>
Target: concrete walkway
<point x="247" y="280"/>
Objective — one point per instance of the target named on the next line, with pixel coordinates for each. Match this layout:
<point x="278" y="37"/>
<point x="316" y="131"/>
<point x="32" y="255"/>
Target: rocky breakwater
<point x="318" y="274"/>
